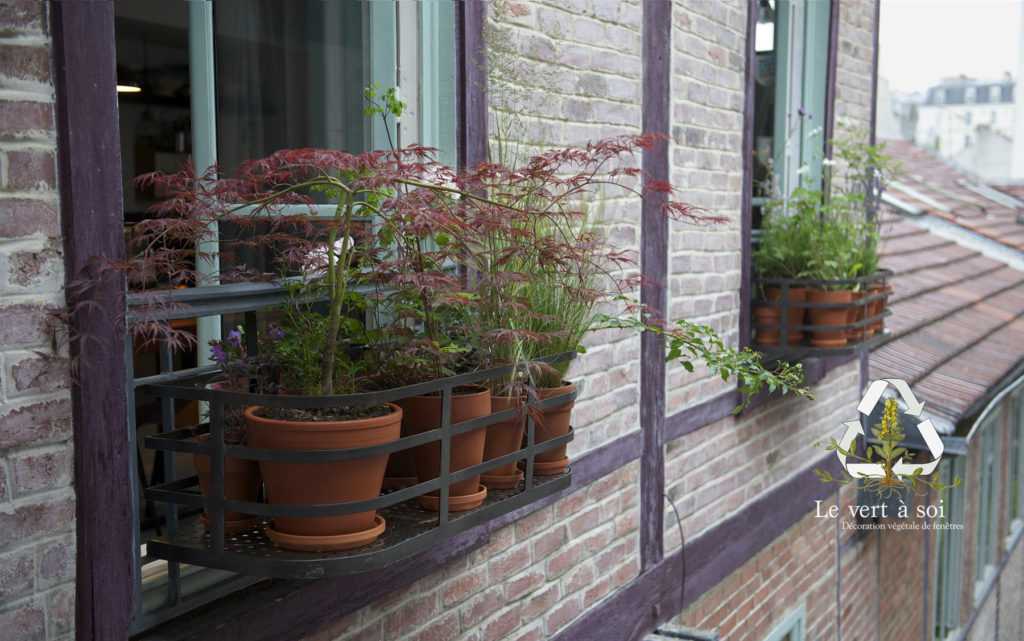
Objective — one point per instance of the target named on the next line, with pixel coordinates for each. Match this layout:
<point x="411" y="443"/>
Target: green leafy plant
<point x="687" y="342"/>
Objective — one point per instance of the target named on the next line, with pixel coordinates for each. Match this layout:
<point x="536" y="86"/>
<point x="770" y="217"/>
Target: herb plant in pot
<point x="421" y="340"/>
<point x="321" y="321"/>
<point x="541" y="270"/>
<point x="784" y="251"/>
<point x="835" y="259"/>
<point x="315" y="359"/>
<point x="867" y="252"/>
<point x="241" y="476"/>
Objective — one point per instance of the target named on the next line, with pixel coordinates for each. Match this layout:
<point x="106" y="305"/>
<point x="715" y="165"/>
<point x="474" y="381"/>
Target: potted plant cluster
<point x="825" y="237"/>
<point x="459" y="271"/>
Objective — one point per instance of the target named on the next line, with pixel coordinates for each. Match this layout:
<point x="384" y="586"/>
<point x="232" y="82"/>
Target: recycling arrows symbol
<point x="914" y="408"/>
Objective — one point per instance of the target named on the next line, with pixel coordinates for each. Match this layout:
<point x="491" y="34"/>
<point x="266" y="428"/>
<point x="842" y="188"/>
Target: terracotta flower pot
<point x="401" y="470"/>
<point x="555" y="421"/>
<point x="504" y="438"/>
<point x="825" y="318"/>
<point x="241" y="483"/>
<point x="855" y="315"/>
<point x="423" y="413"/>
<point x="766" y="325"/>
<point x="795" y="313"/>
<point x="316" y="483"/>
<point x="876" y="307"/>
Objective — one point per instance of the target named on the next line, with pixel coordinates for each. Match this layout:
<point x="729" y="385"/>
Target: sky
<point x="922" y="41"/>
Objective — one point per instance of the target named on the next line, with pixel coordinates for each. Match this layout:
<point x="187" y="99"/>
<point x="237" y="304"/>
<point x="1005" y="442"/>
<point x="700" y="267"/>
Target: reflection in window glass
<point x="153" y="94"/>
<point x="288" y="75"/>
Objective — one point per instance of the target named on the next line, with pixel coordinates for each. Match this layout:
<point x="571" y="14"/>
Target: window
<point x="985" y="546"/>
<point x="237" y="79"/>
<point x="969" y="95"/>
<point x="791" y="628"/>
<point x="1015" y="500"/>
<point x="983" y="94"/>
<point x="791" y="44"/>
<point x="1006" y="93"/>
<point x="949" y="553"/>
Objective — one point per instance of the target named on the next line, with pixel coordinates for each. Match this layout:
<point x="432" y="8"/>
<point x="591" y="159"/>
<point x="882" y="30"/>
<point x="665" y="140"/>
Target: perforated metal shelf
<point x="410" y="529"/>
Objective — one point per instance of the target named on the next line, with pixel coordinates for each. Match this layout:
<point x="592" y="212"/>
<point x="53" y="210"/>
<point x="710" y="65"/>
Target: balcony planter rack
<point x="410" y="529"/>
<point x="785" y="351"/>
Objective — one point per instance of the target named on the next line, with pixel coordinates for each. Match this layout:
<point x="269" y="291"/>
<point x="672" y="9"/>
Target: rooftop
<point x="958" y="304"/>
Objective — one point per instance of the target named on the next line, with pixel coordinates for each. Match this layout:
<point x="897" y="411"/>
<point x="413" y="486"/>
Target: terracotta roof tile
<point x="957" y="328"/>
<point x="930" y="184"/>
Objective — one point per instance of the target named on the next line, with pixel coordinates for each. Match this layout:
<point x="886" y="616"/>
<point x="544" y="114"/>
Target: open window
<point x="220" y="83"/>
<point x="791" y="56"/>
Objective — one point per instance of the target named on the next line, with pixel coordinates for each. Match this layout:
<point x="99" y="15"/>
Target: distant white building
<point x="897" y="112"/>
<point x="957" y="110"/>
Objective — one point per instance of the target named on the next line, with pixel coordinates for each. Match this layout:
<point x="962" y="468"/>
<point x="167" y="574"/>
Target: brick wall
<point x="37" y="544"/>
<point x="526" y="584"/>
<point x="717" y="470"/>
<point x="1011" y="598"/>
<point x="854" y="63"/>
<point x="708" y="62"/>
<point x="797" y="569"/>
<point x="901" y="581"/>
<point x="568" y="73"/>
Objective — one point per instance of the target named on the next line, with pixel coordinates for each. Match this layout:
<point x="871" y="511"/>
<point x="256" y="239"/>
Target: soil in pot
<point x="504" y="438"/>
<point x="423" y="413"/>
<point x="241" y="483"/>
<point x="766" y="325"/>
<point x="317" y="483"/>
<point x="794" y="314"/>
<point x="555" y="421"/>
<point x="825" y="318"/>
<point x="855" y="315"/>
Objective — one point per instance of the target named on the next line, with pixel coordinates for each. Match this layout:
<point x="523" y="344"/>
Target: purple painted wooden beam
<point x="89" y="162"/>
<point x="874" y="74"/>
<point x="471" y="71"/>
<point x="657" y="39"/>
<point x="830" y="76"/>
<point x="747" y="189"/>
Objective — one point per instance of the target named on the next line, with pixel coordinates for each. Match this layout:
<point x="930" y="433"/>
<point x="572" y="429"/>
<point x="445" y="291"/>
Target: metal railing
<point x="218" y="563"/>
<point x="250" y="553"/>
<point x="787" y="337"/>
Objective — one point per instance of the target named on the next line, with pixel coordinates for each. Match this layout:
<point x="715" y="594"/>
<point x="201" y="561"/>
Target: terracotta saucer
<point x="550" y="468"/>
<point x="501" y="481"/>
<point x="462" y="503"/>
<point x="331" y="543"/>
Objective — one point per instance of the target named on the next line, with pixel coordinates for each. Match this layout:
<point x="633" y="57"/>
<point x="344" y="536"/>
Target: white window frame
<point x="1015" y="473"/>
<point x="986" y="547"/>
<point x="801" y="43"/>
<point x="793" y="624"/>
<point x="949" y="545"/>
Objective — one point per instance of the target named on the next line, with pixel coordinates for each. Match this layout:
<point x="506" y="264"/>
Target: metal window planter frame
<point x="250" y="553"/>
<point x="804" y="349"/>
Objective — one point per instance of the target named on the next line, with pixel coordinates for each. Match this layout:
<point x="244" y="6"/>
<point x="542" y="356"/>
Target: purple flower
<point x="275" y="333"/>
<point x="217" y="353"/>
<point x="235" y="338"/>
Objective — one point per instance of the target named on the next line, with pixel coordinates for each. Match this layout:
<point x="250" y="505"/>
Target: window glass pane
<point x="289" y="75"/>
<point x="153" y="94"/>
<point x="764" y="104"/>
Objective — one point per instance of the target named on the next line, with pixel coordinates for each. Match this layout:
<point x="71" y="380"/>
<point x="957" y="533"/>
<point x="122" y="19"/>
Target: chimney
<point x="1017" y="162"/>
